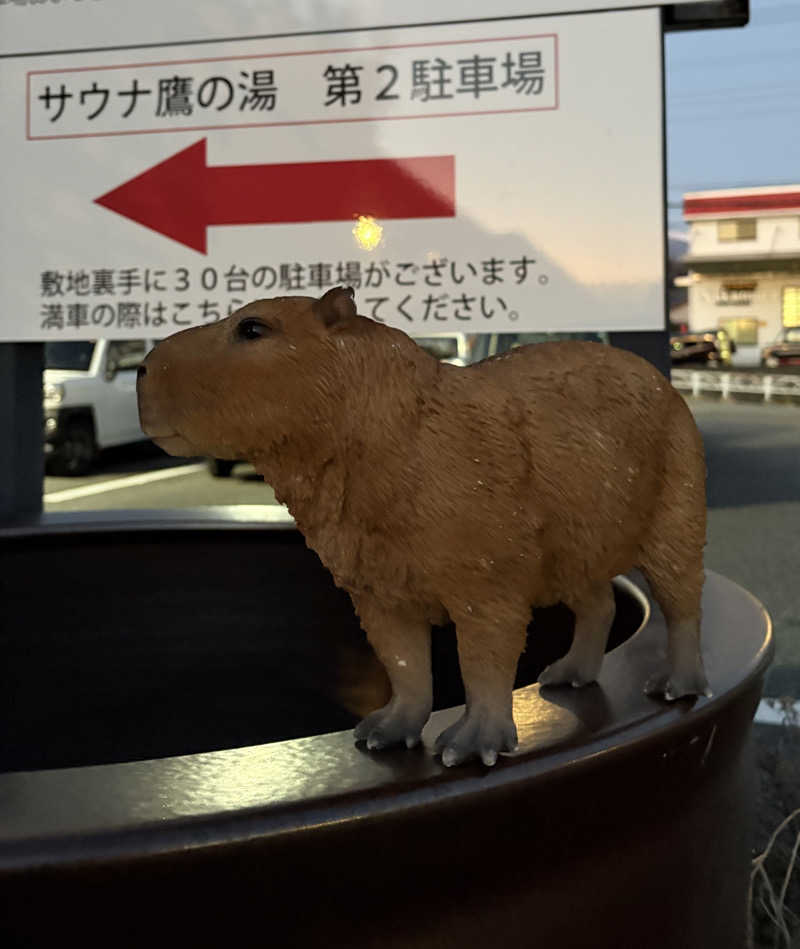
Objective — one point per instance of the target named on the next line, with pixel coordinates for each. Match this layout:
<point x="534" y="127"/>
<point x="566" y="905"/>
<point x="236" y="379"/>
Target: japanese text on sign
<point x="405" y="292"/>
<point x="511" y="74"/>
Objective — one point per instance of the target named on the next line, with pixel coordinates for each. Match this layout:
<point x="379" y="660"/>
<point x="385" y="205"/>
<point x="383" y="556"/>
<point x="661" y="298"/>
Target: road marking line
<point x="134" y="481"/>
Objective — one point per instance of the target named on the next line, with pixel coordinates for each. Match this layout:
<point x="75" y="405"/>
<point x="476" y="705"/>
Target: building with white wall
<point x="744" y="264"/>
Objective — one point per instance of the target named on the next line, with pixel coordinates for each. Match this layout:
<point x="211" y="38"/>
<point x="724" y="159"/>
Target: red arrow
<point x="181" y="196"/>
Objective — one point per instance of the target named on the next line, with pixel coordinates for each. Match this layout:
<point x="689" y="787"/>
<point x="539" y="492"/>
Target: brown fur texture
<point x="433" y="491"/>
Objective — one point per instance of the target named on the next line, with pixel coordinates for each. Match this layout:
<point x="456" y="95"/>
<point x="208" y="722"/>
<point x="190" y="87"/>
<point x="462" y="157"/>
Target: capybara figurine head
<point x="228" y="389"/>
<point x="436" y="492"/>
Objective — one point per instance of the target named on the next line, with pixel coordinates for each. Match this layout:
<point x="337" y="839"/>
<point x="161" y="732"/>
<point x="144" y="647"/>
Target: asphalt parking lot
<point x="753" y="455"/>
<point x="753" y="452"/>
<point x="142" y="476"/>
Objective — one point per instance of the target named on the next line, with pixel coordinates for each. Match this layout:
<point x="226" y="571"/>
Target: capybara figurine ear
<point x="336" y="307"/>
<point x="469" y="493"/>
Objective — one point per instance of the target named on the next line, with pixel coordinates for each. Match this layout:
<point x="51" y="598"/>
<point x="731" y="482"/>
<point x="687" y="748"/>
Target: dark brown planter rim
<point x="122" y="811"/>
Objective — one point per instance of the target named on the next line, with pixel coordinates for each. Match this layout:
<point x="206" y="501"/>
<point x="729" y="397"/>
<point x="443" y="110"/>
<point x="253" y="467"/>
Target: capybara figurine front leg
<point x="402" y="642"/>
<point x="489" y="646"/>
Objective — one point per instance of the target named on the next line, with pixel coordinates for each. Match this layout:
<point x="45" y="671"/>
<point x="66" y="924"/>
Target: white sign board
<point x="507" y="176"/>
<point x="32" y="26"/>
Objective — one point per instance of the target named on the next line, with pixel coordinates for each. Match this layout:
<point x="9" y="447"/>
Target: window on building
<point x="736" y="294"/>
<point x="743" y="332"/>
<point x="790" y="310"/>
<point x="737" y="229"/>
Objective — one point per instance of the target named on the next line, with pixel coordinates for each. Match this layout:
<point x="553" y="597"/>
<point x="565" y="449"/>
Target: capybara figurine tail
<point x="436" y="492"/>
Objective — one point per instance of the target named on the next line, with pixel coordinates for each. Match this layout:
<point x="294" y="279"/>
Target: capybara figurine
<point x="435" y="492"/>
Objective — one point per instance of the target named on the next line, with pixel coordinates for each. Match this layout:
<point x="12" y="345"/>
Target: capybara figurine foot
<point x="435" y="492"/>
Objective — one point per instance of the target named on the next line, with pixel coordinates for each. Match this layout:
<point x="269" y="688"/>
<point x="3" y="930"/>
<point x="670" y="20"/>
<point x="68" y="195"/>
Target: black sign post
<point x="21" y="451"/>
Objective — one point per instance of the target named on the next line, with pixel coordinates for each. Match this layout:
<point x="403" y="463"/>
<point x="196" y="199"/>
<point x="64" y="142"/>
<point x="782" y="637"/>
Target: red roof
<point x="721" y="205"/>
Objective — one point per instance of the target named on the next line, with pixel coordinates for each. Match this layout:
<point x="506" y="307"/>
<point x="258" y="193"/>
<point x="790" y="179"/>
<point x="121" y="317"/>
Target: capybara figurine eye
<point x="251" y="329"/>
<point x="469" y="493"/>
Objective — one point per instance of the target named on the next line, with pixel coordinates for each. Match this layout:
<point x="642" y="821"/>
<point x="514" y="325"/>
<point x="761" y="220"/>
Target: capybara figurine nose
<point x="141" y="372"/>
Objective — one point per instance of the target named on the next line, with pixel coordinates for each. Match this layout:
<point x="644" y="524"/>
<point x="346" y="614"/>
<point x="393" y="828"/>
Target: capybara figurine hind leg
<point x="435" y="492"/>
<point x="672" y="558"/>
<point x="594" y="615"/>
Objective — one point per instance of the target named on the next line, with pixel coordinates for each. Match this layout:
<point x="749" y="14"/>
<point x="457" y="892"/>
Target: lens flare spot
<point x="367" y="232"/>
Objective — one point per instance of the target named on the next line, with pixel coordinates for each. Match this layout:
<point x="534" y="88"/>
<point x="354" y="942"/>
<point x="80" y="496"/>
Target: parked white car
<point x="89" y="400"/>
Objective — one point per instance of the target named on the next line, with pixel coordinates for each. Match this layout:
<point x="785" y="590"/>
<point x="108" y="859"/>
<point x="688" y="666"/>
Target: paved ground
<point x="753" y="452"/>
<point x="142" y="476"/>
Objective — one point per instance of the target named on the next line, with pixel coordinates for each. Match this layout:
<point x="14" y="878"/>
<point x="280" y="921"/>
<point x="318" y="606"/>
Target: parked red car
<point x="785" y="351"/>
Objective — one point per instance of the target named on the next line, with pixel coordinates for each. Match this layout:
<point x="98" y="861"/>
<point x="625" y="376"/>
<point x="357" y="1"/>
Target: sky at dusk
<point x="733" y="104"/>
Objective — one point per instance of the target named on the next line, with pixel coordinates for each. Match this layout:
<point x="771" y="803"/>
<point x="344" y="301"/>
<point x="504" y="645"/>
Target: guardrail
<point x="766" y="385"/>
